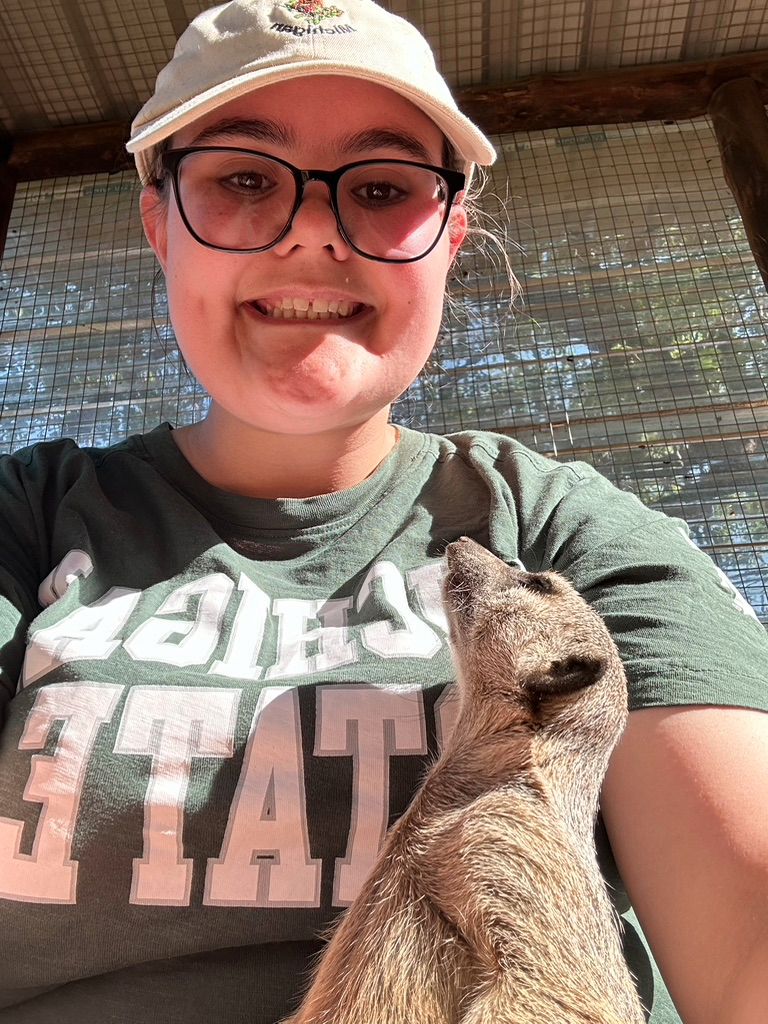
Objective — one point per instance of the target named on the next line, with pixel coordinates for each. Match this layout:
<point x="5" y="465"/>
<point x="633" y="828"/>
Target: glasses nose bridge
<point x="330" y="178"/>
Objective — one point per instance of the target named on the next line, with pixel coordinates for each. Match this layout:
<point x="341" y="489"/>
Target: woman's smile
<point x="308" y="305"/>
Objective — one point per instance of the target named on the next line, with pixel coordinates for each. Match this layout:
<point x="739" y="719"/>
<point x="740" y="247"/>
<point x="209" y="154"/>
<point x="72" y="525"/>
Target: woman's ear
<point x="457" y="228"/>
<point x="154" y="218"/>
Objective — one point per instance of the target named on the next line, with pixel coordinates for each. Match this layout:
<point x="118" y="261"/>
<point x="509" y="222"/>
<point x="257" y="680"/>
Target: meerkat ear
<point x="567" y="675"/>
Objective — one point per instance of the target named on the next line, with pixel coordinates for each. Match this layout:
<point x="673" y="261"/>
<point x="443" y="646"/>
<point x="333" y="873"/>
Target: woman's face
<point x="305" y="376"/>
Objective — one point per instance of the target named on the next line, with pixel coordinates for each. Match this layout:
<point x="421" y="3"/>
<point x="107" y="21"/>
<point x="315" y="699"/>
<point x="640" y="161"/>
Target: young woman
<point x="224" y="655"/>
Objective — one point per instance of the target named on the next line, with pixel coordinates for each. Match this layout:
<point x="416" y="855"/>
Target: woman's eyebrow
<point x="257" y="131"/>
<point x="283" y="135"/>
<point x="383" y="138"/>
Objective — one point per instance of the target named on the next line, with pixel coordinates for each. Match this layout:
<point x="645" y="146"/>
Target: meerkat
<point x="486" y="904"/>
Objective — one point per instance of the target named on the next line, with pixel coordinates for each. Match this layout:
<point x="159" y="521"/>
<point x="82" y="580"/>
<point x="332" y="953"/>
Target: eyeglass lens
<point x="244" y="201"/>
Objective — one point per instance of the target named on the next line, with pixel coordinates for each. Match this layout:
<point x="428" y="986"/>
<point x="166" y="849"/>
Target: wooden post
<point x="741" y="126"/>
<point x="7" y="192"/>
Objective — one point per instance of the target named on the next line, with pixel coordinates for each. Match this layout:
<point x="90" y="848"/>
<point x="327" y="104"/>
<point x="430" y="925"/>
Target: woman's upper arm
<point x="685" y="806"/>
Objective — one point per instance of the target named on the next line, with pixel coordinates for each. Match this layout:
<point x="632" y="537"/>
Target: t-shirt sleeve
<point x="684" y="632"/>
<point x="22" y="529"/>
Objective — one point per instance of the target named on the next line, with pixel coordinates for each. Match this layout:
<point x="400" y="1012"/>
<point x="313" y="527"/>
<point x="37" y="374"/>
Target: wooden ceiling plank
<point x="177" y="16"/>
<point x="91" y="60"/>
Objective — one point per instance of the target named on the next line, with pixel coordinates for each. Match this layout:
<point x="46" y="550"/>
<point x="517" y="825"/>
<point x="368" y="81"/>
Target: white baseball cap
<point x="246" y="44"/>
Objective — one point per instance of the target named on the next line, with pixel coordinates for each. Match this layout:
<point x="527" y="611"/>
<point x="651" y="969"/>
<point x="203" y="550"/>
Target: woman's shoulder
<point x="510" y="457"/>
<point x="63" y="457"/>
<point x="534" y="482"/>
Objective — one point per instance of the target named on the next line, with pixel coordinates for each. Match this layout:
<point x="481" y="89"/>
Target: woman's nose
<point x="314" y="224"/>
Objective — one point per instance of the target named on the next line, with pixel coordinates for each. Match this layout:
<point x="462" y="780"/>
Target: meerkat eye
<point x="541" y="584"/>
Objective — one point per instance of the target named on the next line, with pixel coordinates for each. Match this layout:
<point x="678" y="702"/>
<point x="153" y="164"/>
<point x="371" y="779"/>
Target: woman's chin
<point x="311" y="410"/>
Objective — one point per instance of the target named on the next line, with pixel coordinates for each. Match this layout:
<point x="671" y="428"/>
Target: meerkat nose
<point x="465" y="553"/>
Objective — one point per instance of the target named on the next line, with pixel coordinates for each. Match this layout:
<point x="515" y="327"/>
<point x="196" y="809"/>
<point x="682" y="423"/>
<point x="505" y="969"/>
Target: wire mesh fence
<point x="638" y="345"/>
<point x="84" y="332"/>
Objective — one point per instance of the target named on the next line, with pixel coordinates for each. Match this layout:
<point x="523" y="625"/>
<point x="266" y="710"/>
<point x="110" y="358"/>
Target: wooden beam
<point x="738" y="117"/>
<point x="656" y="92"/>
<point x="75" y="150"/>
<point x="7" y="192"/>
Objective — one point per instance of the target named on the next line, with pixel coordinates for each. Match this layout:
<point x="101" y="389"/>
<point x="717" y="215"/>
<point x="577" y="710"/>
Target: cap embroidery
<point x="314" y="11"/>
<point x="310" y="15"/>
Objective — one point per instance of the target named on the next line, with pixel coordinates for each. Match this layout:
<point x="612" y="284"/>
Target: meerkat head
<point x="524" y="640"/>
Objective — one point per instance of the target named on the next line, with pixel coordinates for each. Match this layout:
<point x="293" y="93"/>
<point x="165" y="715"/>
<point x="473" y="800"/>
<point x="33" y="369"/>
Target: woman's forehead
<point x="336" y="113"/>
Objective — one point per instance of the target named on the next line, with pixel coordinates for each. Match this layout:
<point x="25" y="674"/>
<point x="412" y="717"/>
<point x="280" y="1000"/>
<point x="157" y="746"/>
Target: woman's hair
<point x="156" y="179"/>
<point x="486" y="244"/>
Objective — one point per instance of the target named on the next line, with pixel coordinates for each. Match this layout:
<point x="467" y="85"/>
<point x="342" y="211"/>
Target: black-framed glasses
<point x="238" y="200"/>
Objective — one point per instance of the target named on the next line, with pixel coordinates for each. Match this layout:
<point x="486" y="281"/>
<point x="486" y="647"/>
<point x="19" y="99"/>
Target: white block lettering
<point x="369" y="725"/>
<point x="172" y="725"/>
<point x="426" y="584"/>
<point x="184" y="642"/>
<point x="414" y="639"/>
<point x="89" y="632"/>
<point x="74" y="565"/>
<point x="334" y="648"/>
<point x="247" y="634"/>
<point x="264" y="859"/>
<point x="48" y="874"/>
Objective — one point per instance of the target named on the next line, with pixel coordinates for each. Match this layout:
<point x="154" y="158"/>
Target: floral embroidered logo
<point x="314" y="11"/>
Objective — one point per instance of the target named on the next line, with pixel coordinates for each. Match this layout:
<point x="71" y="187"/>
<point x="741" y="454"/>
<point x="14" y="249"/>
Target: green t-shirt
<point x="214" y="706"/>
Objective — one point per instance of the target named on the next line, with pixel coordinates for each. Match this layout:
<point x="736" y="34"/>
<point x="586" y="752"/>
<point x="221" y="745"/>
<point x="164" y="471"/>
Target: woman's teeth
<point x="305" y="309"/>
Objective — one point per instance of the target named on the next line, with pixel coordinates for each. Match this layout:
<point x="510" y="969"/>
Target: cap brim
<point x="465" y="136"/>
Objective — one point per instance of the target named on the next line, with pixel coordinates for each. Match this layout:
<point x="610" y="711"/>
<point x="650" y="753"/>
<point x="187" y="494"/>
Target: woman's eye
<point x="251" y="182"/>
<point x="379" y="193"/>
